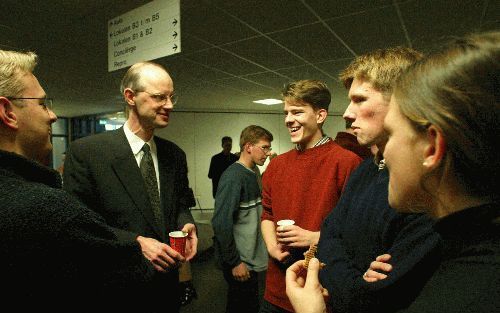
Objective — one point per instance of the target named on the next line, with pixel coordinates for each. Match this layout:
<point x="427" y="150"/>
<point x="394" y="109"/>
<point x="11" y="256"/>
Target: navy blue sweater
<point x="363" y="226"/>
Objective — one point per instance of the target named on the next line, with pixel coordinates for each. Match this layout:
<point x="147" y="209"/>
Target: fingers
<point x="324" y="292"/>
<point x="285" y="229"/>
<point x="190" y="229"/>
<point x="383" y="258"/>
<point x="293" y="272"/>
<point x="377" y="266"/>
<point x="191" y="250"/>
<point x="312" y="273"/>
<point x="283" y="256"/>
<point x="278" y="253"/>
<point x="164" y="263"/>
<point x="242" y="278"/>
<point x="373" y="276"/>
<point x="159" y="268"/>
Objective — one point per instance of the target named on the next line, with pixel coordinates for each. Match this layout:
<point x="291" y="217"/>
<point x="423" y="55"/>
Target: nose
<point x="288" y="118"/>
<point x="349" y="113"/>
<point x="168" y="104"/>
<point x="52" y="116"/>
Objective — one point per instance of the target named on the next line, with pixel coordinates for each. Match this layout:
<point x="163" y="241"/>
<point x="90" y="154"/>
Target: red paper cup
<point x="178" y="241"/>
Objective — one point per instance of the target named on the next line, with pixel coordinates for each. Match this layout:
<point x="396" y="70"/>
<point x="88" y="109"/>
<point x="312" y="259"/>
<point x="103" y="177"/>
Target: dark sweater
<point x="363" y="226"/>
<point x="468" y="279"/>
<point x="55" y="251"/>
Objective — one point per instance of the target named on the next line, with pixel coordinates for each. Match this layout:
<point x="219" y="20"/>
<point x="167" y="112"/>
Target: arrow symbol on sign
<point x="175" y="47"/>
<point x="174" y="22"/>
<point x="174" y="34"/>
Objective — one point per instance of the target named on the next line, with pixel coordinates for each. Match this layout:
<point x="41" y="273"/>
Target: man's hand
<point x="277" y="252"/>
<point x="240" y="272"/>
<point x="374" y="273"/>
<point x="161" y="255"/>
<point x="305" y="293"/>
<point x="296" y="237"/>
<point x="191" y="241"/>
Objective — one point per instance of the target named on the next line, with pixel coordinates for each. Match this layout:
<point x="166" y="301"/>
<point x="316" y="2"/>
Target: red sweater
<point x="303" y="186"/>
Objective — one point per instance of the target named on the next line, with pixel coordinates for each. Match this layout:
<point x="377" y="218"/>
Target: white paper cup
<point x="285" y="222"/>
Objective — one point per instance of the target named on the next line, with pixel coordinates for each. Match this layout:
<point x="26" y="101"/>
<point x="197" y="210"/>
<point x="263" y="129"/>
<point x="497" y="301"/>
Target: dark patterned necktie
<point x="149" y="175"/>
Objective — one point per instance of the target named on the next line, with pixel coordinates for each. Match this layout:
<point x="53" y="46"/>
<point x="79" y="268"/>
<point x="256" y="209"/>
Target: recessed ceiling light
<point x="268" y="101"/>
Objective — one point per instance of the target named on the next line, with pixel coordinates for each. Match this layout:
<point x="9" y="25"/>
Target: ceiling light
<point x="268" y="101"/>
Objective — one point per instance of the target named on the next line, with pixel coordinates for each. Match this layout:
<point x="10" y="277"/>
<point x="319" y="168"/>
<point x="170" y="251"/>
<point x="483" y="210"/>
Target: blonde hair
<point x="380" y="67"/>
<point x="13" y="65"/>
<point x="458" y="91"/>
<point x="313" y="92"/>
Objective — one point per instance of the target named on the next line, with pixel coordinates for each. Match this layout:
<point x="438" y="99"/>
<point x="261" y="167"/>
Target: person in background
<point x="138" y="182"/>
<point x="238" y="242"/>
<point x="60" y="168"/>
<point x="302" y="184"/>
<point x="55" y="253"/>
<point x="221" y="161"/>
<point x="363" y="225"/>
<point x="443" y="124"/>
<point x="347" y="140"/>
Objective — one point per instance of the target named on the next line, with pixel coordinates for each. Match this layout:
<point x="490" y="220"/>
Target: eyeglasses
<point x="46" y="103"/>
<point x="266" y="150"/>
<point x="161" y="97"/>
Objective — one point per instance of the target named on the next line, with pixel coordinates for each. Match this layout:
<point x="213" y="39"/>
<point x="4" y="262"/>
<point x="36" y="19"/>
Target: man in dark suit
<point x="221" y="161"/>
<point x="138" y="182"/>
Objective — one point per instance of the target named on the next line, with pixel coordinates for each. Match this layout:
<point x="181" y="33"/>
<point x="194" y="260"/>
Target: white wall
<point x="199" y="135"/>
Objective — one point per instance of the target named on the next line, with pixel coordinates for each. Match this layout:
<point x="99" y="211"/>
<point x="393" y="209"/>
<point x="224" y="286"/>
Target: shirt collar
<point x="320" y="142"/>
<point x="136" y="142"/>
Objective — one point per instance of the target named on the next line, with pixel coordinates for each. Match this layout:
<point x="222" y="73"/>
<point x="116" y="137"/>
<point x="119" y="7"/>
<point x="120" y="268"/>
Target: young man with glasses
<point x="56" y="254"/>
<point x="138" y="182"/>
<point x="238" y="242"/>
<point x="303" y="185"/>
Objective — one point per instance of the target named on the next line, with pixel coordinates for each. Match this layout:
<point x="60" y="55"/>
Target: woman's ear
<point x="435" y="150"/>
<point x="7" y="116"/>
<point x="321" y="116"/>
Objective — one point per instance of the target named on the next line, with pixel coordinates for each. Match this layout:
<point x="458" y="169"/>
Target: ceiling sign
<point x="146" y="33"/>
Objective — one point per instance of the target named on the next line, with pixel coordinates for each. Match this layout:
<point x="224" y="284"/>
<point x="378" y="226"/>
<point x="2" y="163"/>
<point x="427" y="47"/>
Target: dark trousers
<point x="242" y="297"/>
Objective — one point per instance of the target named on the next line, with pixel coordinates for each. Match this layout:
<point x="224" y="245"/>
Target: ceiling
<point x="233" y="51"/>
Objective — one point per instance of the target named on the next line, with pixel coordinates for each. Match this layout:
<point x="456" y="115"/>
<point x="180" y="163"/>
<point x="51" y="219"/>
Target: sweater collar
<point x="29" y="170"/>
<point x="469" y="221"/>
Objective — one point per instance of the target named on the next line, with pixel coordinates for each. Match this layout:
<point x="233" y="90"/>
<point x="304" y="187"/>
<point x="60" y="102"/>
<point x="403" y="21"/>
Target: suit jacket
<point x="102" y="172"/>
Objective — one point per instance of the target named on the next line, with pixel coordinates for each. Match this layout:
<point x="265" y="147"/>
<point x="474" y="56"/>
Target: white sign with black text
<point x="146" y="33"/>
